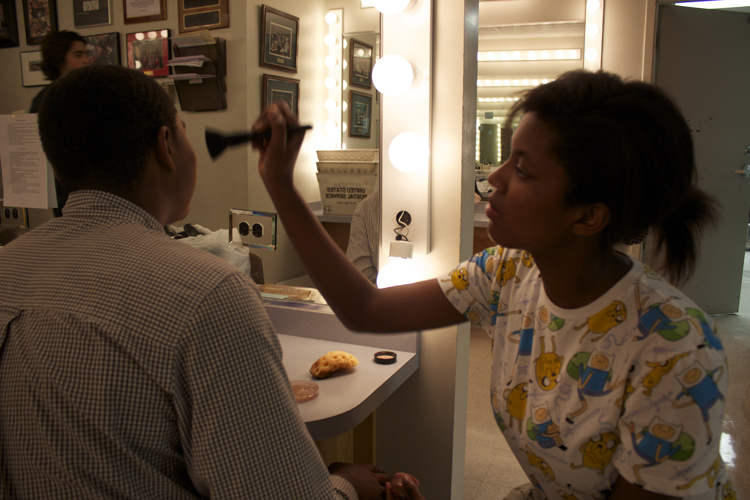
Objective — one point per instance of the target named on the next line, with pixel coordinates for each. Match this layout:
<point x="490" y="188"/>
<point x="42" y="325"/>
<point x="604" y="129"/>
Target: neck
<point x="579" y="278"/>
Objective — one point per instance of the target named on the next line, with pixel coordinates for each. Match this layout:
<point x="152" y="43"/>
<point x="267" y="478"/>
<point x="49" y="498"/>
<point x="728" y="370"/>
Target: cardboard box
<point x="341" y="193"/>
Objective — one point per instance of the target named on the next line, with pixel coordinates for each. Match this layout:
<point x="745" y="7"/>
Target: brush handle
<point x="265" y="134"/>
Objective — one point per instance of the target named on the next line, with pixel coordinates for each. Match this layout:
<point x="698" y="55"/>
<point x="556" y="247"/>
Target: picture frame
<point x="88" y="13"/>
<point x="39" y="17"/>
<point x="360" y="64"/>
<point x="144" y="11"/>
<point x="360" y="114"/>
<point x="280" y="88"/>
<point x="8" y="24"/>
<point x="104" y="48"/>
<point x="31" y="69"/>
<point x="196" y="15"/>
<point x="149" y="52"/>
<point x="279" y="39"/>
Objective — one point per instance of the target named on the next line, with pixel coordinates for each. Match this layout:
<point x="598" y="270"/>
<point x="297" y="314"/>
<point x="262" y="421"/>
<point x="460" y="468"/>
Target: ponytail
<point x="678" y="234"/>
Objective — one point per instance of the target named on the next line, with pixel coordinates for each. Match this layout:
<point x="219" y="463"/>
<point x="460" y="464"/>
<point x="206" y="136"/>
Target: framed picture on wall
<point x="360" y="114"/>
<point x="104" y="48"/>
<point x="8" y="25"/>
<point x="88" y="13"/>
<point x="31" y="69"/>
<point x="279" y="88"/>
<point x="198" y="15"/>
<point x="144" y="11"/>
<point x="39" y="17"/>
<point x="148" y="52"/>
<point x="360" y="64"/>
<point x="278" y="39"/>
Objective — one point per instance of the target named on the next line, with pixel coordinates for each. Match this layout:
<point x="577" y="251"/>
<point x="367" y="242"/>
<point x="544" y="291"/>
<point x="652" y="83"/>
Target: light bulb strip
<point x="332" y="102"/>
<point x="592" y="39"/>
<point x="409" y="35"/>
<point x="571" y="54"/>
<point x="514" y="81"/>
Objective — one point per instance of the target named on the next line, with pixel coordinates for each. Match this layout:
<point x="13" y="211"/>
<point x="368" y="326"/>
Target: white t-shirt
<point x="630" y="384"/>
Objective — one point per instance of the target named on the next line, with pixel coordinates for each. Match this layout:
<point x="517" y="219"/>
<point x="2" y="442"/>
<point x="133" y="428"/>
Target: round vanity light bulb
<point x="400" y="269"/>
<point x="593" y="5"/>
<point x="330" y="82"/>
<point x="409" y="152"/>
<point x="389" y="7"/>
<point x="344" y="105"/>
<point x="331" y="18"/>
<point x="330" y="39"/>
<point x="330" y="104"/>
<point x="330" y="126"/>
<point x="343" y="126"/>
<point x="573" y="54"/>
<point x="592" y="29"/>
<point x="344" y="43"/>
<point x="330" y="61"/>
<point x="392" y="75"/>
<point x="344" y="85"/>
<point x="592" y="54"/>
<point x="140" y="36"/>
<point x="152" y="35"/>
<point x="545" y="54"/>
<point x="343" y="63"/>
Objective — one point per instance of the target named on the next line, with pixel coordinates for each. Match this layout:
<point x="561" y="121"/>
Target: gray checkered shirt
<point x="364" y="236"/>
<point x="135" y="366"/>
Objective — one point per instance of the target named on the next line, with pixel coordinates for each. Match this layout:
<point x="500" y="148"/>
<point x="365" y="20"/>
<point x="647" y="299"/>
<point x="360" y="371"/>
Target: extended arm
<point x="358" y="304"/>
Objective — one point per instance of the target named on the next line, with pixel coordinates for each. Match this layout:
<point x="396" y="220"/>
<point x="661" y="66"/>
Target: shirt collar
<point x="90" y="203"/>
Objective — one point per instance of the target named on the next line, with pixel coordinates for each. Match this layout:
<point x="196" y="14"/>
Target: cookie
<point x="334" y="360"/>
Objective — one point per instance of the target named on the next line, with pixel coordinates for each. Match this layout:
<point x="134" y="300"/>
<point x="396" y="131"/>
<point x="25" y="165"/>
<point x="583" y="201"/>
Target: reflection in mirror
<point x="362" y="112"/>
<point x="518" y="52"/>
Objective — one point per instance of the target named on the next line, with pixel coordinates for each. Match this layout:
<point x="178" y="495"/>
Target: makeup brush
<point x="217" y="142"/>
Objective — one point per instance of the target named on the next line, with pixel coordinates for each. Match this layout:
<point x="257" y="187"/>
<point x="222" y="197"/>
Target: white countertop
<point x="346" y="397"/>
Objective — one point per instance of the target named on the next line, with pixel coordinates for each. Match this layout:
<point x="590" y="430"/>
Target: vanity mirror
<point x="362" y="114"/>
<point x="521" y="45"/>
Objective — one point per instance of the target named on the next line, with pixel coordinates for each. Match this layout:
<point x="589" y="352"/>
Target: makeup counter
<point x="347" y="397"/>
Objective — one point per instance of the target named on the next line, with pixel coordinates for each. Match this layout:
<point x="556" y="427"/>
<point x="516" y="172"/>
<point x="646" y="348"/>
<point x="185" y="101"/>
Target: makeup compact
<point x="385" y="357"/>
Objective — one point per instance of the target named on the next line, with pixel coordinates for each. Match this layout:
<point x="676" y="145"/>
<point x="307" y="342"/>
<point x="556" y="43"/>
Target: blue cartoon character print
<point x="699" y="387"/>
<point x="593" y="371"/>
<point x="542" y="429"/>
<point x="659" y="442"/>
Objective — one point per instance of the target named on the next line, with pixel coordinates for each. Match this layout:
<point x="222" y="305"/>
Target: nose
<point x="498" y="178"/>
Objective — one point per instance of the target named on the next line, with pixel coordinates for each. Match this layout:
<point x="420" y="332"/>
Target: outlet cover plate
<point x="13" y="216"/>
<point x="252" y="228"/>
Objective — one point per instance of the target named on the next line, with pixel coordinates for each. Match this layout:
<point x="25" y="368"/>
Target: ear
<point x="592" y="220"/>
<point x="164" y="148"/>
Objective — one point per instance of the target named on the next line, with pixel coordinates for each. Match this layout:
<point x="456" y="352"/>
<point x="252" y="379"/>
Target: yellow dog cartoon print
<point x="598" y="452"/>
<point x="603" y="321"/>
<point x="507" y="271"/>
<point x="548" y="367"/>
<point x="459" y="279"/>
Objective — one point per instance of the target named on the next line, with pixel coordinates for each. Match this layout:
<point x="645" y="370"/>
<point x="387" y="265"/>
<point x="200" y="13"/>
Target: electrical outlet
<point x="253" y="229"/>
<point x="13" y="216"/>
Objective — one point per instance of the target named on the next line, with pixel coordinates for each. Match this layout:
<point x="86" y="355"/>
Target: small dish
<point x="304" y="390"/>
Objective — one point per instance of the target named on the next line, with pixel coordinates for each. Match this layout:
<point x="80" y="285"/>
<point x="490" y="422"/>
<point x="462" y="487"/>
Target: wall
<point x="231" y="181"/>
<point x="627" y="47"/>
<point x="421" y="428"/>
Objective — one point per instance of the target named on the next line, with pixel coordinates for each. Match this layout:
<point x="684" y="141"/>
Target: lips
<point x="491" y="212"/>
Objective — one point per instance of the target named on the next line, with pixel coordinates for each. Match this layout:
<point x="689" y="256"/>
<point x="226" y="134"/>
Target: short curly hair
<point x="98" y="124"/>
<point x="55" y="46"/>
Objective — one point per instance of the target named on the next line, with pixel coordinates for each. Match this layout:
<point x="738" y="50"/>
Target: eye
<point x="521" y="172"/>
